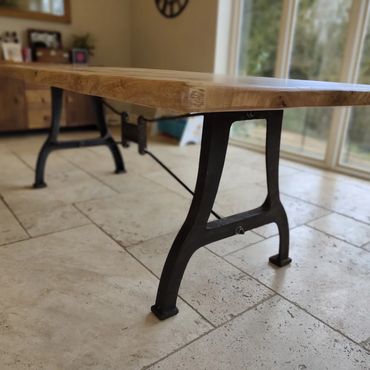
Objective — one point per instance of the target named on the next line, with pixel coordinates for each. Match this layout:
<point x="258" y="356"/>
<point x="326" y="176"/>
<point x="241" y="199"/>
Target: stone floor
<point x="80" y="261"/>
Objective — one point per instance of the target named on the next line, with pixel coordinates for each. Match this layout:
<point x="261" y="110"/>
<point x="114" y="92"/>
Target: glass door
<point x="317" y="54"/>
<point x="257" y="56"/>
<point x="355" y="151"/>
<point x="310" y="40"/>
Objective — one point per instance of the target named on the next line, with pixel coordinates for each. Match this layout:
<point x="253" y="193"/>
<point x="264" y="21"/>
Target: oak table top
<point x="186" y="92"/>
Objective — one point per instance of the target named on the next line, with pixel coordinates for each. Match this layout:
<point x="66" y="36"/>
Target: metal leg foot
<point x="39" y="185"/>
<point x="277" y="261"/>
<point x="164" y="314"/>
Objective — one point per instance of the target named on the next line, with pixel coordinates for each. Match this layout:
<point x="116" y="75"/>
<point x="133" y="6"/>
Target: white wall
<point x="107" y="20"/>
<point x="186" y="42"/>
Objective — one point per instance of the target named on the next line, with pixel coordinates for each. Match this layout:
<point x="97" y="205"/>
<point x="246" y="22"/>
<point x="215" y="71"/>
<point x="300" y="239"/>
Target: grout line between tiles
<point x="13" y="242"/>
<point x="112" y="188"/>
<point x="271" y="236"/>
<point x="42" y="236"/>
<point x="296" y="304"/>
<point x="209" y="332"/>
<point x="15" y="216"/>
<point x="346" y="216"/>
<point x="62" y="230"/>
<point x="364" y="245"/>
<point x="338" y="238"/>
<point x="21" y="159"/>
<point x="142" y="264"/>
<point x="236" y="250"/>
<point x="325" y="208"/>
<point x="90" y="174"/>
<point x="352" y="218"/>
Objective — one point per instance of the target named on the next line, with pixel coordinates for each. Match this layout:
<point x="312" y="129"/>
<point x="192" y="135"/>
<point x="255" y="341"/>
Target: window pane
<point x="319" y="37"/>
<point x="259" y="38"/>
<point x="258" y="45"/>
<point x="318" y="47"/>
<point x="356" y="151"/>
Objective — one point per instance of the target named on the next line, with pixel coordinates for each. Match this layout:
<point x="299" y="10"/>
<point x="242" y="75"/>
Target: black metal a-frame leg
<point x="197" y="231"/>
<point x="52" y="142"/>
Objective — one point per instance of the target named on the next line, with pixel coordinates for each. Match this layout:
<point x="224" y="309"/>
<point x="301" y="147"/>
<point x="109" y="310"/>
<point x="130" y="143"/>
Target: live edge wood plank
<point x="186" y="92"/>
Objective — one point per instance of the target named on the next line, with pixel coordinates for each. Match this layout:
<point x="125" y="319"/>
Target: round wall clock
<point x="171" y="8"/>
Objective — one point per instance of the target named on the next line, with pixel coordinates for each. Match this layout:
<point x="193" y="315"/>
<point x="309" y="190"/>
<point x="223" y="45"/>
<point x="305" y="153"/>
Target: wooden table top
<point x="186" y="92"/>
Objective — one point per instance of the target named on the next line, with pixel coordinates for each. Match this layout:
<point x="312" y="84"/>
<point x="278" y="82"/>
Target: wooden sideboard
<point x="25" y="106"/>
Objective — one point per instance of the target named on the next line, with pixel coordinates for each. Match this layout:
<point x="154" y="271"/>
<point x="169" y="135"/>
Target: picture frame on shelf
<point x="44" y="39"/>
<point x="12" y="52"/>
<point x="79" y="56"/>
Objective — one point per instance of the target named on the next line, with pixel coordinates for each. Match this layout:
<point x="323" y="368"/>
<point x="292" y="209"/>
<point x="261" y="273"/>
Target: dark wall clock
<point x="171" y="8"/>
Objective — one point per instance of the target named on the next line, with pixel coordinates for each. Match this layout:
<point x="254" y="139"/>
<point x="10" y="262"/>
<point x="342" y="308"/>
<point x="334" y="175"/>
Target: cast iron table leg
<point x="52" y="142"/>
<point x="197" y="231"/>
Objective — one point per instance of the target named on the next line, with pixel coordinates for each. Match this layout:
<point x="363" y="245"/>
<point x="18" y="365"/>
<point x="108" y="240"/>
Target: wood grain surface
<point x="186" y="92"/>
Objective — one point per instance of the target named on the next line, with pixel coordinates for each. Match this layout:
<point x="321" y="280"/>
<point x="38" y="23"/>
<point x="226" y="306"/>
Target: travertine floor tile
<point x="55" y="161"/>
<point x="63" y="188"/>
<point x="187" y="174"/>
<point x="328" y="277"/>
<point x="100" y="165"/>
<point x="49" y="221"/>
<point x="234" y="176"/>
<point x="10" y="229"/>
<point x="367" y="247"/>
<point x="251" y="196"/>
<point x="14" y="173"/>
<point x="131" y="218"/>
<point x="131" y="182"/>
<point x="229" y="245"/>
<point x="213" y="287"/>
<point x="250" y="159"/>
<point x="305" y="168"/>
<point x="274" y="335"/>
<point x="344" y="228"/>
<point x="366" y="344"/>
<point x="134" y="162"/>
<point x="95" y="163"/>
<point x="50" y="209"/>
<point x="340" y="196"/>
<point x="75" y="300"/>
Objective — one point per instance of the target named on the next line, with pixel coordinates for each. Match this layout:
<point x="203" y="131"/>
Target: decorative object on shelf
<point x="27" y="55"/>
<point x="47" y="46"/>
<point x="79" y="56"/>
<point x="171" y="8"/>
<point x="11" y="48"/>
<point x="12" y="52"/>
<point x="44" y="39"/>
<point x="85" y="41"/>
<point x="45" y="55"/>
